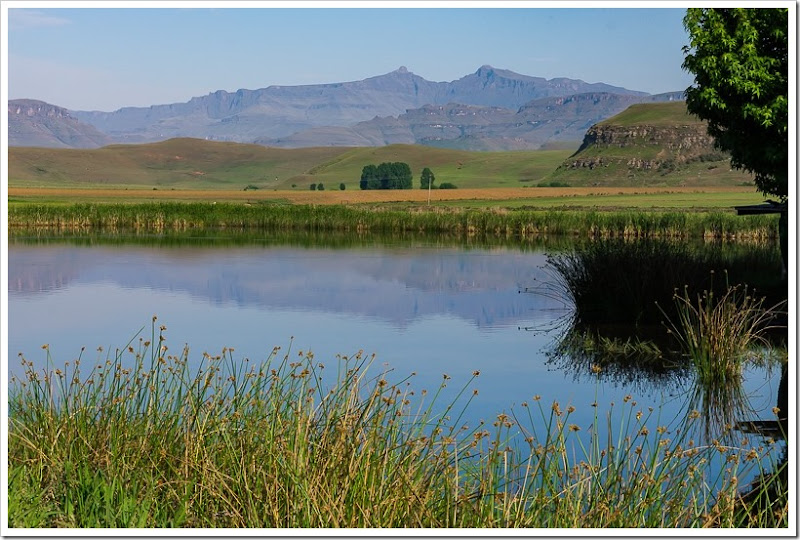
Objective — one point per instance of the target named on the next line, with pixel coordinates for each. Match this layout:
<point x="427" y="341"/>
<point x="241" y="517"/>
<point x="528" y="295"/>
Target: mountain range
<point x="490" y="109"/>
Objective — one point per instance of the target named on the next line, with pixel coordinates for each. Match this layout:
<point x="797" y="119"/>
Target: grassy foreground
<point x="138" y="439"/>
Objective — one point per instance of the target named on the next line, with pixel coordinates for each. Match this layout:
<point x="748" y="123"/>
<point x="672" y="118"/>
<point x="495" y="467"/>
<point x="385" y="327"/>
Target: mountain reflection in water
<point x="392" y="285"/>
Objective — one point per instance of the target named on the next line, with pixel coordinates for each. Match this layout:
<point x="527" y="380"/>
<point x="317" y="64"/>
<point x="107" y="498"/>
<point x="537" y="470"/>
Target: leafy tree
<point x="341" y="186"/>
<point x="426" y="178"/>
<point x="320" y="187"/>
<point x="369" y="177"/>
<point x="739" y="58"/>
<point x="313" y="187"/>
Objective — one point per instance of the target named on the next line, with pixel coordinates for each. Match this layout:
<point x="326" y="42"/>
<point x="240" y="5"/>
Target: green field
<point x="695" y="202"/>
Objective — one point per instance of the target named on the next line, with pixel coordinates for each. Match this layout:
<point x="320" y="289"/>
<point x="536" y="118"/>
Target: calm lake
<point x="419" y="305"/>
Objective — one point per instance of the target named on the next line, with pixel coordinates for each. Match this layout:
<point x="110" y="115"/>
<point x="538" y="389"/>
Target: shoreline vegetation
<point x="136" y="438"/>
<point x="524" y="223"/>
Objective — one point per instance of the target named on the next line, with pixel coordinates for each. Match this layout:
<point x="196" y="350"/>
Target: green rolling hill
<point x="199" y="164"/>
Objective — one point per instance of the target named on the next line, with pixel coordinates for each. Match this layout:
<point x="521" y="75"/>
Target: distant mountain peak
<point x="277" y="112"/>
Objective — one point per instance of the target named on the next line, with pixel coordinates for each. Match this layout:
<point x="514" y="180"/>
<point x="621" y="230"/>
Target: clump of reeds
<point x="139" y="439"/>
<point x="719" y="333"/>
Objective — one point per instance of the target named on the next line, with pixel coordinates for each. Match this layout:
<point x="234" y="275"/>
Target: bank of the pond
<point x="165" y="216"/>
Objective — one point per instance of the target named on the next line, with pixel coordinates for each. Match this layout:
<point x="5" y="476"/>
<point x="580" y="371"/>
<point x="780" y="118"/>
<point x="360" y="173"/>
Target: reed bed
<point x="165" y="216"/>
<point x="137" y="438"/>
<point x="610" y="281"/>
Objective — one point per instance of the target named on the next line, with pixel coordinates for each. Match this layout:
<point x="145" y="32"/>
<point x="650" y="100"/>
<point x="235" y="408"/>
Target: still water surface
<point x="418" y="306"/>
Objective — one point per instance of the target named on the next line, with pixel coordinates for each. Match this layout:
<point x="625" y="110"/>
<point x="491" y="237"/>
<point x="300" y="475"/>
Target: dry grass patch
<point x="343" y="197"/>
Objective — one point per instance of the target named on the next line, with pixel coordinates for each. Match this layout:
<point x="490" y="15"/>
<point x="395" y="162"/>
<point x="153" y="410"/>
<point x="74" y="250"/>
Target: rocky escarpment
<point x="654" y="136"/>
<point x="36" y="123"/>
<point x="679" y="142"/>
<point x="648" y="143"/>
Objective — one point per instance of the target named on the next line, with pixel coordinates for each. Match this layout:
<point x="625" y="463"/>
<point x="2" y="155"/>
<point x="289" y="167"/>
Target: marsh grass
<point x="166" y="216"/>
<point x="137" y="438"/>
<point x="720" y="334"/>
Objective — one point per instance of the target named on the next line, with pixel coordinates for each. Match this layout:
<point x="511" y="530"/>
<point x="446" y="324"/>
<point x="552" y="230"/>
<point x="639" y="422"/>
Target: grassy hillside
<point x="649" y="144"/>
<point x="199" y="164"/>
<point x="465" y="169"/>
<point x="178" y="163"/>
<point x="668" y="113"/>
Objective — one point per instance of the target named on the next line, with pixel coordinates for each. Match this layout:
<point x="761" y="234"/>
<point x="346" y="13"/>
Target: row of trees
<point x="394" y="175"/>
<point x="321" y="187"/>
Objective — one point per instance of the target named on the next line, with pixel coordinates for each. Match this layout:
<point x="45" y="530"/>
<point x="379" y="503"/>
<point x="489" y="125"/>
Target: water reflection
<point x="398" y="285"/>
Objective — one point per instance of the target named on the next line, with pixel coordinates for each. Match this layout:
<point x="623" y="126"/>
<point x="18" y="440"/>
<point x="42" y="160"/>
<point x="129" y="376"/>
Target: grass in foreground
<point x="138" y="439"/>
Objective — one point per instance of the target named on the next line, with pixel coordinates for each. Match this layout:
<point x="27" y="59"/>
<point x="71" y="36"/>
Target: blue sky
<point x="93" y="58"/>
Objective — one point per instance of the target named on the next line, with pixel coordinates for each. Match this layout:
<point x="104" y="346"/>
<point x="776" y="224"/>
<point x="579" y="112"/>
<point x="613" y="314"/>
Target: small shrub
<point x="313" y="187"/>
<point x="447" y="185"/>
<point x="341" y="187"/>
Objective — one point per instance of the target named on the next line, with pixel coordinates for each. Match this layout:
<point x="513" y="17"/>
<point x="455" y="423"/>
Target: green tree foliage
<point x="396" y="175"/>
<point x="342" y="186"/>
<point x="739" y="58"/>
<point x="320" y="187"/>
<point x="313" y="187"/>
<point x="369" y="177"/>
<point x="426" y="178"/>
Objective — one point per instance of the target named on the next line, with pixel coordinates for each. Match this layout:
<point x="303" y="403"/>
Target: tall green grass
<point x="137" y="438"/>
<point x="165" y="216"/>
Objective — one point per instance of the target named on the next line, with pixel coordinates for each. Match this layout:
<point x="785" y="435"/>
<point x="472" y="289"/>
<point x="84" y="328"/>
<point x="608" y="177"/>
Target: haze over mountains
<point x="491" y="109"/>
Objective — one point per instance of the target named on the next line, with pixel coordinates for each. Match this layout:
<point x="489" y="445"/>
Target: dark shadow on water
<point x="633" y="282"/>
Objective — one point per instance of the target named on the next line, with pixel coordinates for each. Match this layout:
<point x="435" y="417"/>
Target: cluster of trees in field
<point x="397" y="175"/>
<point x="394" y="175"/>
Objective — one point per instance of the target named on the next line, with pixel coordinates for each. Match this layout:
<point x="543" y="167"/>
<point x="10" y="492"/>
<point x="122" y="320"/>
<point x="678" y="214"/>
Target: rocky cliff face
<point x="673" y="145"/>
<point x="648" y="144"/>
<point x="687" y="139"/>
<point x="36" y="123"/>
